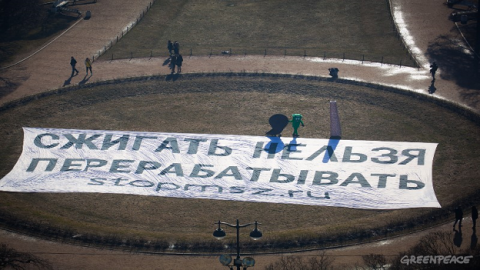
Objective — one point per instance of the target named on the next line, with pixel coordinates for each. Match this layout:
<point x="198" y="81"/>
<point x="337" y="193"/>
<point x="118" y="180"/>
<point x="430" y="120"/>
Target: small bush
<point x="375" y="261"/>
<point x="13" y="259"/>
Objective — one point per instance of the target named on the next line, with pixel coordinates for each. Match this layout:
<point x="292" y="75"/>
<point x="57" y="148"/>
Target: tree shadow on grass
<point x="6" y="87"/>
<point x="456" y="65"/>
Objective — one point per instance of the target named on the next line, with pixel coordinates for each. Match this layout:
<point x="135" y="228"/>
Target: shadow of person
<point x="68" y="81"/>
<point x="455" y="64"/>
<point x="172" y="77"/>
<point x="278" y="122"/>
<point x="85" y="79"/>
<point x="432" y="88"/>
<point x="473" y="240"/>
<point x="292" y="145"/>
<point x="274" y="146"/>
<point x="457" y="238"/>
<point x="166" y="62"/>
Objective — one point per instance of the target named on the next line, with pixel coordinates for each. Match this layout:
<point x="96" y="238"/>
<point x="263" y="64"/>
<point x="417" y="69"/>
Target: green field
<point x="335" y="29"/>
<point x="234" y="105"/>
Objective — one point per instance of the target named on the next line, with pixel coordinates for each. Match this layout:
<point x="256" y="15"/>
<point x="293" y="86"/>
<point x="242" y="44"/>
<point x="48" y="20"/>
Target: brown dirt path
<point x="422" y="22"/>
<point x="76" y="257"/>
<point x="50" y="68"/>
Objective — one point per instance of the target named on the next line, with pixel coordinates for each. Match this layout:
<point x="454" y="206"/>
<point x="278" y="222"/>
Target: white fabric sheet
<point x="342" y="173"/>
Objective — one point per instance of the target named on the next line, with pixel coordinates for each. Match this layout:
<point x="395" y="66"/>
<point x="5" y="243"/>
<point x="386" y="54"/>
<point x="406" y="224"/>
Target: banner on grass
<point x="343" y="173"/>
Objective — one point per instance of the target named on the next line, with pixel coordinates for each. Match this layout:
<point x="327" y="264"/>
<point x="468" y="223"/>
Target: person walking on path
<point x="176" y="47"/>
<point x="173" y="63"/>
<point x="433" y="69"/>
<point x="170" y="47"/>
<point x="73" y="62"/>
<point x="474" y="217"/>
<point x="88" y="66"/>
<point x="458" y="217"/>
<point x="179" y="63"/>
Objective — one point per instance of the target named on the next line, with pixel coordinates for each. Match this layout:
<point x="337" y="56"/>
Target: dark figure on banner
<point x="458" y="217"/>
<point x="433" y="69"/>
<point x="474" y="217"/>
<point x="73" y="63"/>
<point x="179" y="63"/>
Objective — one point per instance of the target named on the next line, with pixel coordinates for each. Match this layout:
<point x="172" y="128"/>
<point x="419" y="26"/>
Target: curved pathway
<point x="421" y="23"/>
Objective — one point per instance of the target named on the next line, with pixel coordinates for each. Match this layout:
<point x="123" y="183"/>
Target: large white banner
<point x="343" y="173"/>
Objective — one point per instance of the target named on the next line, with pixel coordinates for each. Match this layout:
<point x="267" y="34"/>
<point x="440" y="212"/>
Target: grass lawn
<point x="234" y="105"/>
<point x="332" y="28"/>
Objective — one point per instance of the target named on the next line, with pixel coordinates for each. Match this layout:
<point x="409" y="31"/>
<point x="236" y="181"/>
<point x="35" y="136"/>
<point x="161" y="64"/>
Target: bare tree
<point x="435" y="243"/>
<point x="375" y="261"/>
<point x="322" y="262"/>
<point x="286" y="263"/>
<point x="12" y="259"/>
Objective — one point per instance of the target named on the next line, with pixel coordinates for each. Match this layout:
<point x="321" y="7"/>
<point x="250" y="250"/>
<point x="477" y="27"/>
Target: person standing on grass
<point x="458" y="217"/>
<point x="474" y="217"/>
<point x="170" y="47"/>
<point x="179" y="63"/>
<point x="73" y="62"/>
<point x="173" y="62"/>
<point x="88" y="65"/>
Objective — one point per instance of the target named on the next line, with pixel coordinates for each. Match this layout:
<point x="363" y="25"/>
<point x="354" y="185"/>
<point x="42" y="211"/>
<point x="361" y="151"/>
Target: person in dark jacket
<point x="73" y="62"/>
<point x="433" y="69"/>
<point x="173" y="62"/>
<point x="179" y="63"/>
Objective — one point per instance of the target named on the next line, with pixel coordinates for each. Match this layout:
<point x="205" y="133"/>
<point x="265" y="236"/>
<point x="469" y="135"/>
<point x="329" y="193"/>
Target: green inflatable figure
<point x="296" y="121"/>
